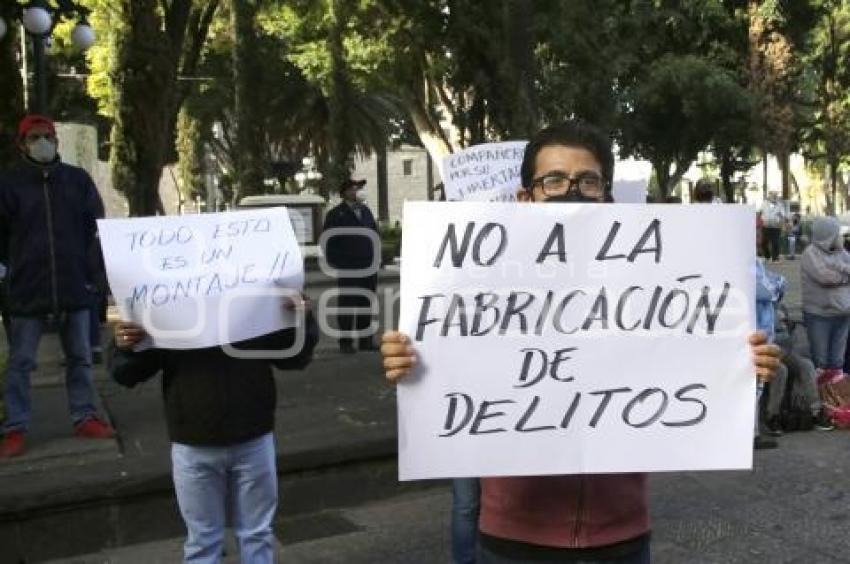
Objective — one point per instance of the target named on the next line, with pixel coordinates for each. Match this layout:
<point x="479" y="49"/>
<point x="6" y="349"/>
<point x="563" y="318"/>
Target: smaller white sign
<point x="489" y="172"/>
<point x="197" y="281"/>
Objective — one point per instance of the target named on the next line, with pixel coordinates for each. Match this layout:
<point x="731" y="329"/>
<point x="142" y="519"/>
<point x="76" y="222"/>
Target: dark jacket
<point x="350" y="251"/>
<point x="47" y="227"/>
<point x="211" y="398"/>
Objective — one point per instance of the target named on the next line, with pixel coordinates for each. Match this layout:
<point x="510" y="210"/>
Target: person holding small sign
<point x="220" y="414"/>
<point x="587" y="517"/>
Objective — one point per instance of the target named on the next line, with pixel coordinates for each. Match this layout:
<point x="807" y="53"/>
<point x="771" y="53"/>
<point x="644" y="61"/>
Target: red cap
<point x="33" y="120"/>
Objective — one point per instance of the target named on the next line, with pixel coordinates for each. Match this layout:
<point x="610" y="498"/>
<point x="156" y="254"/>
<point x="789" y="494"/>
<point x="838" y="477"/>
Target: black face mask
<point x="571" y="197"/>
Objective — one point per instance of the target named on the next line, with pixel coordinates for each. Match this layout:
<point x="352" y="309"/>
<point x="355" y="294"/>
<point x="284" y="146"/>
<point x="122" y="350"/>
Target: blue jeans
<point x="466" y="502"/>
<point x="827" y="339"/>
<point x="26" y="334"/>
<point x="207" y="479"/>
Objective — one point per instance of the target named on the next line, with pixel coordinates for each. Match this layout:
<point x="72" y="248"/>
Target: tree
<point x="149" y="44"/>
<point x="773" y="72"/>
<point x="190" y="151"/>
<point x="675" y="112"/>
<point x="249" y="165"/>
<point x="574" y="38"/>
<point x="11" y="89"/>
<point x="826" y="137"/>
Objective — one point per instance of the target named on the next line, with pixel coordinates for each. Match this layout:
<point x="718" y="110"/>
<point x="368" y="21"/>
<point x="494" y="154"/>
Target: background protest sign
<point x="203" y="280"/>
<point x="568" y="338"/>
<point x="487" y="172"/>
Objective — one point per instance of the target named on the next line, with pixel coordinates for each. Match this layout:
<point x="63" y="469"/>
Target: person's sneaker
<point x="823" y="422"/>
<point x="94" y="428"/>
<point x="13" y="444"/>
<point x="773" y="427"/>
<point x="761" y="443"/>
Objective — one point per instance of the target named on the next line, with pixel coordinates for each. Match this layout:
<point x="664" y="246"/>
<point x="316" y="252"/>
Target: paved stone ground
<point x="793" y="507"/>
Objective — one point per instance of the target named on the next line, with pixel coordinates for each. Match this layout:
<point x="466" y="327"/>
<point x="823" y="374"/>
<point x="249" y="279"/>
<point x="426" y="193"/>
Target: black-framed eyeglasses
<point x="590" y="184"/>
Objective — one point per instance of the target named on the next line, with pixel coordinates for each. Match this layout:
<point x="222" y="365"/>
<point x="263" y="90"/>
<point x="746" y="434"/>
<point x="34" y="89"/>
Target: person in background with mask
<point x="774" y="216"/>
<point x="48" y="213"/>
<point x="825" y="277"/>
<point x="592" y="518"/>
<point x="349" y="252"/>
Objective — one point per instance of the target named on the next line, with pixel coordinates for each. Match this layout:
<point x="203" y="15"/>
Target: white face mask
<point x="42" y="150"/>
<point x="360" y="195"/>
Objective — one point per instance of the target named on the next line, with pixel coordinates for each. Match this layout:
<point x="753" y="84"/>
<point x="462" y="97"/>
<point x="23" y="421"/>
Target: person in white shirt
<point x="775" y="216"/>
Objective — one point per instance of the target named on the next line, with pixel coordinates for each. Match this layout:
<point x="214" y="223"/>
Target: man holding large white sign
<point x="566" y="340"/>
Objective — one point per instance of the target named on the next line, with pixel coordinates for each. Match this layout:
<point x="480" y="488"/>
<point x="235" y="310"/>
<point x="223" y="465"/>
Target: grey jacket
<point x="825" y="271"/>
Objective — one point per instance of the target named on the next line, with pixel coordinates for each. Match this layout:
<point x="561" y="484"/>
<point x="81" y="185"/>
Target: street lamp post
<point x="39" y="17"/>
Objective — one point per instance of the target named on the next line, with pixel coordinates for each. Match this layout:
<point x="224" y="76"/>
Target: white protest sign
<point x="203" y="280"/>
<point x="488" y="172"/>
<point x="576" y="338"/>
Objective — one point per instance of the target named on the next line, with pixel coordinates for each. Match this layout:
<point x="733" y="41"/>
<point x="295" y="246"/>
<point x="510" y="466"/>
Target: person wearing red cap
<point x="48" y="213"/>
<point x="352" y="253"/>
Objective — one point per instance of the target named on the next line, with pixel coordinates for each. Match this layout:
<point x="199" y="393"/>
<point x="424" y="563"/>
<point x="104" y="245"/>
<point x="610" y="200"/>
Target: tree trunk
<point x="247" y="68"/>
<point x="341" y="141"/>
<point x="764" y="176"/>
<point x="429" y="131"/>
<point x="149" y="48"/>
<point x="383" y="187"/>
<point x="726" y="171"/>
<point x="518" y="67"/>
<point x="11" y="99"/>
<point x="662" y="176"/>
<point x="785" y="168"/>
<point x="833" y="185"/>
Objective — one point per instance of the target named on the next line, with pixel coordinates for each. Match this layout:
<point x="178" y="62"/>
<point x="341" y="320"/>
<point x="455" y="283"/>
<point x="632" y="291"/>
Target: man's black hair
<point x="573" y="133"/>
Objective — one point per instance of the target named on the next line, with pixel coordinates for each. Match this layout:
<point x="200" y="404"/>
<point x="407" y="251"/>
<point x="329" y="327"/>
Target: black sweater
<point x="212" y="398"/>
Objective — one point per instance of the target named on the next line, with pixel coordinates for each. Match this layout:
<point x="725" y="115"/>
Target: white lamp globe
<point x="37" y="20"/>
<point x="2" y="28"/>
<point x="82" y="36"/>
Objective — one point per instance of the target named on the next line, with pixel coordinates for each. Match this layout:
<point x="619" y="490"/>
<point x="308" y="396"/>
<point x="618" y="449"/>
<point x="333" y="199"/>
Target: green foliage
<point x="11" y="91"/>
<point x="390" y="243"/>
<point x="190" y="151"/>
<point x="334" y="78"/>
<point x="676" y="110"/>
<point x="826" y="113"/>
